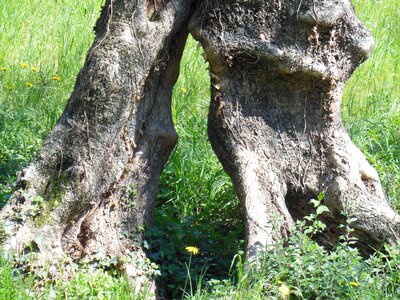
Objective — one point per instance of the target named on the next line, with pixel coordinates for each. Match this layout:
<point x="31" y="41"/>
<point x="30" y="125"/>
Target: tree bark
<point x="278" y="70"/>
<point x="92" y="189"/>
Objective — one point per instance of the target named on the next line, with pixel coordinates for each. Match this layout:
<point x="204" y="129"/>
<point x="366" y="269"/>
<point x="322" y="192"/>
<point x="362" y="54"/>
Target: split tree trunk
<point x="91" y="190"/>
<point x="278" y="70"/>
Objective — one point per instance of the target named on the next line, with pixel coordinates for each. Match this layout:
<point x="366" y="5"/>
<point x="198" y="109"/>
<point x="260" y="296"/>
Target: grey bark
<point x="92" y="189"/>
<point x="278" y="70"/>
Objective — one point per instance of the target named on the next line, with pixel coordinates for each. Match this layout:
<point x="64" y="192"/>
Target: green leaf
<point x="321" y="209"/>
<point x="321" y="196"/>
<point x="315" y="202"/>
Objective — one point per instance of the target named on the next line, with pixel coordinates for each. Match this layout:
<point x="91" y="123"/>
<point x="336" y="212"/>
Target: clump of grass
<point x="90" y="282"/>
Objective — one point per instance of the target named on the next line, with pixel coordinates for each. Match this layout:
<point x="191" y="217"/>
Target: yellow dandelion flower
<point x="24" y="65"/>
<point x="28" y="84"/>
<point x="56" y="78"/>
<point x="353" y="283"/>
<point x="284" y="291"/>
<point x="34" y="69"/>
<point x="3" y="69"/>
<point x="183" y="90"/>
<point x="193" y="250"/>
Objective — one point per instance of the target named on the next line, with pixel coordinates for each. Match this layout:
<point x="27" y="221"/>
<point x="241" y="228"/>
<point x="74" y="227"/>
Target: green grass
<point x="40" y="40"/>
<point x="372" y="97"/>
<point x="196" y="205"/>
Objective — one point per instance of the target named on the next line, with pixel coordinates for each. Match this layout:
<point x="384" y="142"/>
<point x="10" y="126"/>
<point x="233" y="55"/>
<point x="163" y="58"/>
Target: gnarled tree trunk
<point x="278" y="69"/>
<point x="91" y="190"/>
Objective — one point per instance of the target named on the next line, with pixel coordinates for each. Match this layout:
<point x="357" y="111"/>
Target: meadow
<point x="43" y="46"/>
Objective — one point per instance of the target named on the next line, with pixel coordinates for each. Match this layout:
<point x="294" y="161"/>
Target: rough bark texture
<point x="278" y="69"/>
<point x="91" y="190"/>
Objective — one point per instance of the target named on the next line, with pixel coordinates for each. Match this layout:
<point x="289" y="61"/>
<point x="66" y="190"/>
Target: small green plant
<point x="316" y="225"/>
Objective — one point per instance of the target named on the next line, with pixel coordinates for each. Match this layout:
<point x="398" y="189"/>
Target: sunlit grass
<point x="372" y="96"/>
<point x="43" y="47"/>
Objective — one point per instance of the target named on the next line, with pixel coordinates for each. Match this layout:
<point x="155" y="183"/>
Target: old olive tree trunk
<point x="278" y="68"/>
<point x="91" y="190"/>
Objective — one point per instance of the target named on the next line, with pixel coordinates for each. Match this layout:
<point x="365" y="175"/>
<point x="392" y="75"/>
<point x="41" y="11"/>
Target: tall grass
<point x="43" y="48"/>
<point x="43" y="45"/>
<point x="372" y="96"/>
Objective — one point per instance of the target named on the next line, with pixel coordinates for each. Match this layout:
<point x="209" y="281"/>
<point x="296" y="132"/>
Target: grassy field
<point x="43" y="47"/>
